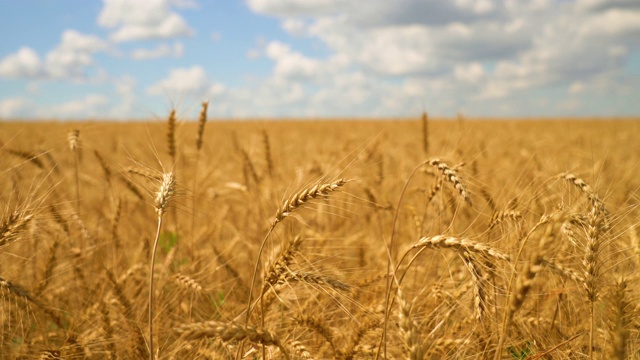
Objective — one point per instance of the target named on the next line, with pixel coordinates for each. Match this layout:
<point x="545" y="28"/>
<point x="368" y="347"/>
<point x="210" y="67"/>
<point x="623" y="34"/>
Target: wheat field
<point x="345" y="239"/>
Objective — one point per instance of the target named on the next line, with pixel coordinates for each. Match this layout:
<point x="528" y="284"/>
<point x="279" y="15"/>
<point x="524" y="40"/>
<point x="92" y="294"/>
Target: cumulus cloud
<point x="143" y="20"/>
<point x="24" y="63"/>
<point x="162" y="50"/>
<point x="73" y="55"/>
<point x="291" y="64"/>
<point x="456" y="54"/>
<point x="192" y="82"/>
<point x="69" y="59"/>
<point x="294" y="26"/>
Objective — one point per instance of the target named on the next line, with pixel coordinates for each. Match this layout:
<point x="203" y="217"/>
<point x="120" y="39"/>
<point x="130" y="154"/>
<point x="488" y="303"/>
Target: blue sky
<point x="130" y="59"/>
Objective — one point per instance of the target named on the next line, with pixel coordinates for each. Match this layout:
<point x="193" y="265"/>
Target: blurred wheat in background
<point x="336" y="239"/>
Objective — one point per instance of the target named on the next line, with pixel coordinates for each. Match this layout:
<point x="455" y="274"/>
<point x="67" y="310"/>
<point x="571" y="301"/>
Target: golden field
<point x="503" y="240"/>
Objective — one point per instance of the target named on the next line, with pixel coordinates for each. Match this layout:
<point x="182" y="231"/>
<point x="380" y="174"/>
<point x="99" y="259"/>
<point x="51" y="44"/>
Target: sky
<point x="134" y="59"/>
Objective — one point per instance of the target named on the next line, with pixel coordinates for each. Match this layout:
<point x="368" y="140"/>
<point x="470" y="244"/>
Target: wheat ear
<point x="74" y="145"/>
<point x="163" y="197"/>
<point x="319" y="326"/>
<point x="618" y="327"/>
<point x="12" y="227"/>
<point x="595" y="226"/>
<point x="230" y="331"/>
<point x="298" y="199"/>
<point x="451" y="176"/>
<point x="461" y="245"/>
<point x="408" y="329"/>
<point x="267" y="152"/>
<point x="285" y="210"/>
<point x="202" y="120"/>
<point x="171" y="135"/>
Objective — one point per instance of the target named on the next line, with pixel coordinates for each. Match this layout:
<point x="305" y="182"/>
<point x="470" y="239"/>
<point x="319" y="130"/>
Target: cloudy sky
<point x="126" y="59"/>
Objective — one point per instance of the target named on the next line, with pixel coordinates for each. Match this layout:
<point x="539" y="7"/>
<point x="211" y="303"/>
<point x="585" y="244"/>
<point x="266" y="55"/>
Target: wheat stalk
<point x="163" y="197"/>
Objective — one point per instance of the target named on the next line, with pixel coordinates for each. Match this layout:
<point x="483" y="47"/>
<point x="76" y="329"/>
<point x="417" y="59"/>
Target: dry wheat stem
<point x="392" y="275"/>
<point x="544" y="219"/>
<point x="163" y="197"/>
<point x="199" y="140"/>
<point x="288" y="206"/>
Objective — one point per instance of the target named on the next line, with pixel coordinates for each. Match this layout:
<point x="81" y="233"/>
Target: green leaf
<point x="168" y="240"/>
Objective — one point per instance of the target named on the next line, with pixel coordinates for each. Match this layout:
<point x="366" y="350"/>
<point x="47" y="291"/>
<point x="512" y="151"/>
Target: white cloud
<point x="294" y="7"/>
<point x="476" y="6"/>
<point x="162" y="50"/>
<point x="185" y="4"/>
<point x="142" y="20"/>
<point x="69" y="59"/>
<point x="290" y="64"/>
<point x="73" y="55"/>
<point x="15" y="107"/>
<point x="450" y="55"/>
<point x="295" y="27"/>
<point x="469" y="73"/>
<point x="192" y="81"/>
<point x="24" y="63"/>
